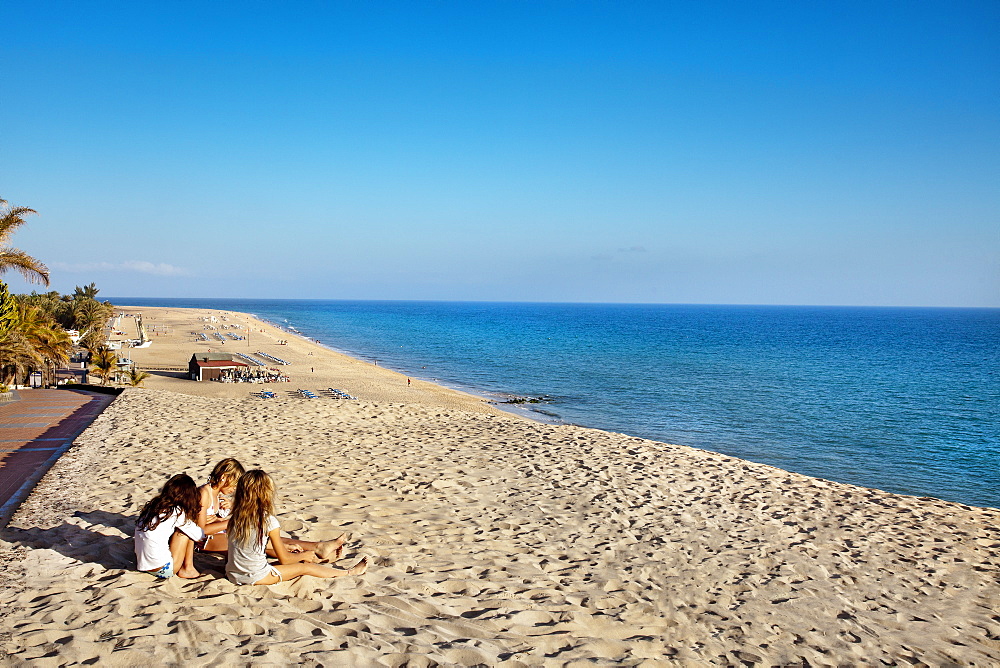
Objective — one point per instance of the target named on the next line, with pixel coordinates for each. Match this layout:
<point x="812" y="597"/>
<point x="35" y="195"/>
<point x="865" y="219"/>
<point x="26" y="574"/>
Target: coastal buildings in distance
<point x="212" y="366"/>
<point x="235" y="368"/>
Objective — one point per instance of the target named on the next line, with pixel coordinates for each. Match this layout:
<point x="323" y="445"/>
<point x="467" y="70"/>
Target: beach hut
<point x="210" y="366"/>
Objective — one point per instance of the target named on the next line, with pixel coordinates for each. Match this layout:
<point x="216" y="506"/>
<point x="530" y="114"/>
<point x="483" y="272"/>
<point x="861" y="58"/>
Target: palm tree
<point x="92" y="340"/>
<point x="11" y="218"/>
<point x="86" y="292"/>
<point x="50" y="342"/>
<point x="53" y="345"/>
<point x="104" y="363"/>
<point x="91" y="315"/>
<point x="17" y="357"/>
<point x="135" y="377"/>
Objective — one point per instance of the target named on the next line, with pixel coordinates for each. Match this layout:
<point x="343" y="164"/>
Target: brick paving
<point x="34" y="432"/>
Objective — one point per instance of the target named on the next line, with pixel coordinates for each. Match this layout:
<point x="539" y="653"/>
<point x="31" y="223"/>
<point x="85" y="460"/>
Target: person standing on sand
<point x="253" y="527"/>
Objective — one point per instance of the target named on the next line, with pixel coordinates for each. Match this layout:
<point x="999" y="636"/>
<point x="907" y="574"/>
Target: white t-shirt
<point x="152" y="548"/>
<point x="248" y="563"/>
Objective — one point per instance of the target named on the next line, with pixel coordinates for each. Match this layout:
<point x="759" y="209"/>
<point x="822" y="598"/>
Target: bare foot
<point x="331" y="550"/>
<point x="188" y="573"/>
<point x="359" y="568"/>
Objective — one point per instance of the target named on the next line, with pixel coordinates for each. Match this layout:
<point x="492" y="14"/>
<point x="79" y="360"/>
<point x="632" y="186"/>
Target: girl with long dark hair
<point x="166" y="527"/>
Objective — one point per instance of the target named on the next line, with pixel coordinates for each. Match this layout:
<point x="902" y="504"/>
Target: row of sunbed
<point x="253" y="361"/>
<point x="271" y="357"/>
<point x="307" y="394"/>
<point x="339" y="394"/>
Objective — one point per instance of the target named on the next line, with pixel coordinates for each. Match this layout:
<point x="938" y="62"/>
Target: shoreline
<point x="490" y="397"/>
<point x="325" y="363"/>
<point x="310" y="345"/>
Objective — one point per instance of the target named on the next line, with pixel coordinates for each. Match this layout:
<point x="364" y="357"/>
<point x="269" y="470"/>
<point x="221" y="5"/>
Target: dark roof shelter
<point x="209" y="366"/>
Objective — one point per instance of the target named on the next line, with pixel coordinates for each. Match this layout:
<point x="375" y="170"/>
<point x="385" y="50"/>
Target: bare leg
<point x="216" y="543"/>
<point x="291" y="571"/>
<point x="180" y="547"/>
<point x="327" y="550"/>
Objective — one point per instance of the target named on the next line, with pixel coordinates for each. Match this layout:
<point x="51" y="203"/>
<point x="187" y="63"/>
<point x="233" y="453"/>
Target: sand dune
<point x="494" y="541"/>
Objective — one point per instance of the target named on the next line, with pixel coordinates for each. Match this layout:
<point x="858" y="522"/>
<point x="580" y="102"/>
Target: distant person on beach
<point x="167" y="528"/>
<point x="214" y="514"/>
<point x="253" y="527"/>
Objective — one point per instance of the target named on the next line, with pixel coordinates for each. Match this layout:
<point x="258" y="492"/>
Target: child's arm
<point x="215" y="527"/>
<point x="286" y="557"/>
<point x="202" y="519"/>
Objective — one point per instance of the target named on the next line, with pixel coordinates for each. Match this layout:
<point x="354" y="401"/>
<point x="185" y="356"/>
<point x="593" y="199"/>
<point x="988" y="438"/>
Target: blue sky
<point x="689" y="152"/>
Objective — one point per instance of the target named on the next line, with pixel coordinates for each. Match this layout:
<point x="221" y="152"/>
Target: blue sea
<point x="901" y="399"/>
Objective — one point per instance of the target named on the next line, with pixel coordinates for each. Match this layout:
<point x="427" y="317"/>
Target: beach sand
<point x="494" y="540"/>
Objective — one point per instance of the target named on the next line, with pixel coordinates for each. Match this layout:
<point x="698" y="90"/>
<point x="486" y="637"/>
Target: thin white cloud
<point x="129" y="266"/>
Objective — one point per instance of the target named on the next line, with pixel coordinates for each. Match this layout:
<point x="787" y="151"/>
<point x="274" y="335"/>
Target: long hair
<point x="180" y="492"/>
<point x="226" y="473"/>
<point x="252" y="503"/>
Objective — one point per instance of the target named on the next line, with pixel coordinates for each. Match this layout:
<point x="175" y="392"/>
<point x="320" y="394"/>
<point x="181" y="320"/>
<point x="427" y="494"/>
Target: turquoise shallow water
<point x="902" y="399"/>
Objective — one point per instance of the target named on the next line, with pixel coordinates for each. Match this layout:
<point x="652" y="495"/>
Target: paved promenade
<point x="34" y="432"/>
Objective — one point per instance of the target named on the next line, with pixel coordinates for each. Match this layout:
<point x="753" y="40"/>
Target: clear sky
<point x="677" y="152"/>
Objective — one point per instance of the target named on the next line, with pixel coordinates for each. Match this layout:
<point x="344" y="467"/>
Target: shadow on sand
<point x="91" y="545"/>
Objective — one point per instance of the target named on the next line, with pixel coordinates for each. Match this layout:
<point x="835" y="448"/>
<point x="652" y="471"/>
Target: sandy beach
<point x="175" y="337"/>
<point x="494" y="540"/>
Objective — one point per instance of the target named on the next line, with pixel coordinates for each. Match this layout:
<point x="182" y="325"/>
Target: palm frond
<point x="136" y="377"/>
<point x="31" y="269"/>
<point x="12" y="218"/>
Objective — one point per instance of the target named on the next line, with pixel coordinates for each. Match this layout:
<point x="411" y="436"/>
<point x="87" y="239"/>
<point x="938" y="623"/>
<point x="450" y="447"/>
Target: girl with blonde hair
<point x="214" y="515"/>
<point x="253" y="528"/>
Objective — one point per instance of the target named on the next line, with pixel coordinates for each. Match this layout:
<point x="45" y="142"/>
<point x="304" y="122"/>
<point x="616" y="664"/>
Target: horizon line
<point x="568" y="302"/>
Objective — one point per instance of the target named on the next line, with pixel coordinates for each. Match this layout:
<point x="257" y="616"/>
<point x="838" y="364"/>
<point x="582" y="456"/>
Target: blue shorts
<point x="164" y="573"/>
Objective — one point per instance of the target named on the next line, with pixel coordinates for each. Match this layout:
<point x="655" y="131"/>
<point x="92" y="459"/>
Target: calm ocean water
<point x="902" y="399"/>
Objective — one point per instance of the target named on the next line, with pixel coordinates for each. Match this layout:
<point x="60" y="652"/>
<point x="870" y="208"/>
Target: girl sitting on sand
<point x="253" y="527"/>
<point x="166" y="529"/>
<point x="214" y="515"/>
